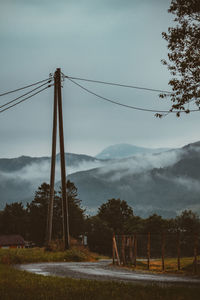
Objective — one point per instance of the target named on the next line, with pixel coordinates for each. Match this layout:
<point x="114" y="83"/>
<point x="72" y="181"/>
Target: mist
<point x="20" y="185"/>
<point x="140" y="163"/>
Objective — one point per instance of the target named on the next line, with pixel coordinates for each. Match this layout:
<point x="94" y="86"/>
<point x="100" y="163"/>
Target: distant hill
<point x="125" y="150"/>
<point x="164" y="183"/>
<point x="21" y="176"/>
<point x="16" y="164"/>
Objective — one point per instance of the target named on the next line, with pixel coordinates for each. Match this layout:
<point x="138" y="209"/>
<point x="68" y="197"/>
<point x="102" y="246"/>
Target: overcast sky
<point x="110" y="40"/>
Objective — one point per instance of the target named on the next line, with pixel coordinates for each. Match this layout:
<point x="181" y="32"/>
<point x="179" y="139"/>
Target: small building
<point x="11" y="241"/>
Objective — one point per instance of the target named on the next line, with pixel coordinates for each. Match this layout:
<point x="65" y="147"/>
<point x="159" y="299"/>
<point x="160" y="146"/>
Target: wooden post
<point x="113" y="249"/>
<point x="163" y="251"/>
<point x="148" y="250"/>
<point x="135" y="250"/>
<point x="62" y="163"/>
<point x="178" y="251"/>
<point x="116" y="250"/>
<point x="195" y="252"/>
<point x="123" y="250"/>
<point x="53" y="162"/>
<point x="131" y="249"/>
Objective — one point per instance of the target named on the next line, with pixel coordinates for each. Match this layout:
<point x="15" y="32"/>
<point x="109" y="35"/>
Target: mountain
<point x="20" y="177"/>
<point x="16" y="164"/>
<point x="125" y="150"/>
<point x="164" y="183"/>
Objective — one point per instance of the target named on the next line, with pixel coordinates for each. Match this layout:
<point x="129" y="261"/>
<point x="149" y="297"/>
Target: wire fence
<point x="130" y="249"/>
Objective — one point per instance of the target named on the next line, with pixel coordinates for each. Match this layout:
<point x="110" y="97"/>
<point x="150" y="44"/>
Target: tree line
<point x="114" y="216"/>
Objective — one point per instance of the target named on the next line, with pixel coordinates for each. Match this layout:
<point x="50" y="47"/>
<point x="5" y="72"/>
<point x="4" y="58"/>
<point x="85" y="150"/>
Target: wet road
<point x="101" y="270"/>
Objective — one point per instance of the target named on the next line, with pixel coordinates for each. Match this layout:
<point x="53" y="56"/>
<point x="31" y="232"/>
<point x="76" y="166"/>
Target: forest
<point x="113" y="217"/>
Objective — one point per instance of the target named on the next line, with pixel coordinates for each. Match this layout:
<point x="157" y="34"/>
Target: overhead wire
<point x="118" y="84"/>
<point x="125" y="105"/>
<point x="26" y="98"/>
<point x="70" y="78"/>
<point x="25" y="87"/>
<point x="25" y="94"/>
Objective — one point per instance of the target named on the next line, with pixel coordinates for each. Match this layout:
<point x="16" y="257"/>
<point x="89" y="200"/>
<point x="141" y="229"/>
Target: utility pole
<point x="65" y="217"/>
<point x="62" y="165"/>
<point x="53" y="163"/>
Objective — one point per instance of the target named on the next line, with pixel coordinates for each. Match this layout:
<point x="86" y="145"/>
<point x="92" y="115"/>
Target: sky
<point x="113" y="40"/>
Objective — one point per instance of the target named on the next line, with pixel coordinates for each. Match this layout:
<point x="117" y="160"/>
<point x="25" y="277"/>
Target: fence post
<point x="178" y="251"/>
<point x="163" y="251"/>
<point x="135" y="250"/>
<point x="131" y="249"/>
<point x="123" y="250"/>
<point x="195" y="252"/>
<point x="115" y="250"/>
<point x="148" y="250"/>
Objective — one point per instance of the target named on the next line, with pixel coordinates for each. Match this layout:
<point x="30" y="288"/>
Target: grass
<point x="186" y="264"/>
<point x="32" y="255"/>
<point x="21" y="285"/>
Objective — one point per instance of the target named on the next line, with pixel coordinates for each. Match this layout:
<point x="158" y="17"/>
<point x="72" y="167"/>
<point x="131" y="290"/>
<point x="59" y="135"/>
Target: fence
<point x="127" y="249"/>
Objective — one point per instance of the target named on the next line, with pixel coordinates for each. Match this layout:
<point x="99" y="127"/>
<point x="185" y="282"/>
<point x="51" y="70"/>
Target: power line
<point x="25" y="98"/>
<point x="24" y="94"/>
<point x="118" y="84"/>
<point x="125" y="105"/>
<point x="22" y="88"/>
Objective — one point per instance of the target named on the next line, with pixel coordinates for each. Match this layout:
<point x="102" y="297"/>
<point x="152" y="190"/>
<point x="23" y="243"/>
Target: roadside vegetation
<point x="33" y="255"/>
<point x="21" y="285"/>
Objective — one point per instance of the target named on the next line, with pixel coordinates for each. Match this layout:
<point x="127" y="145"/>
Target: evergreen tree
<point x="14" y="220"/>
<point x="115" y="213"/>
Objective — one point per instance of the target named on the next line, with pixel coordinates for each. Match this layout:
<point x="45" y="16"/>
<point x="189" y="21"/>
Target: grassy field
<point x="21" y="285"/>
<point x="19" y="256"/>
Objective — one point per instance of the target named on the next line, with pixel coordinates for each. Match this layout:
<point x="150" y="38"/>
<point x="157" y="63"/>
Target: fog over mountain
<point x="164" y="183"/>
<point x="20" y="177"/>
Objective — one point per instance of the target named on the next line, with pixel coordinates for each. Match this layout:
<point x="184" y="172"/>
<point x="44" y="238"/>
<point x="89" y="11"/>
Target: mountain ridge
<point x="163" y="183"/>
<point x="165" y="190"/>
<point x="123" y="150"/>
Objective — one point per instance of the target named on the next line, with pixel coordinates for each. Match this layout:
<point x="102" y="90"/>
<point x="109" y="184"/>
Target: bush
<point x="19" y="256"/>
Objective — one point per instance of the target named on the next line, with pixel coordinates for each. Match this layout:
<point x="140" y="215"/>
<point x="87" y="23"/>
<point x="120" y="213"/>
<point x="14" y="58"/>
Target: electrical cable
<point x="118" y="84"/>
<point x="25" y="98"/>
<point x="25" y="94"/>
<point x="22" y="88"/>
<point x="125" y="105"/>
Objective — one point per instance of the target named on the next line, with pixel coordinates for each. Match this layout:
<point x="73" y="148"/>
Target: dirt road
<point x="102" y="270"/>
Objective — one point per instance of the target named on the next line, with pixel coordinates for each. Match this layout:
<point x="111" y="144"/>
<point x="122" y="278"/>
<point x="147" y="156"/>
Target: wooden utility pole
<point x="65" y="218"/>
<point x="53" y="163"/>
<point x="62" y="165"/>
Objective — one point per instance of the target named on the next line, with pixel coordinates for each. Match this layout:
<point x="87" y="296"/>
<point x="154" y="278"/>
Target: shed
<point x="11" y="241"/>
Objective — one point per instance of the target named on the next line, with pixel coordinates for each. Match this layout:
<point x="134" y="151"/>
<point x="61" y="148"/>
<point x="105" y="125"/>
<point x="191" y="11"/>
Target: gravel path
<point x="101" y="270"/>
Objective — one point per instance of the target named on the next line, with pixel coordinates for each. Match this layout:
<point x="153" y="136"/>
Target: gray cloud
<point x="107" y="40"/>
